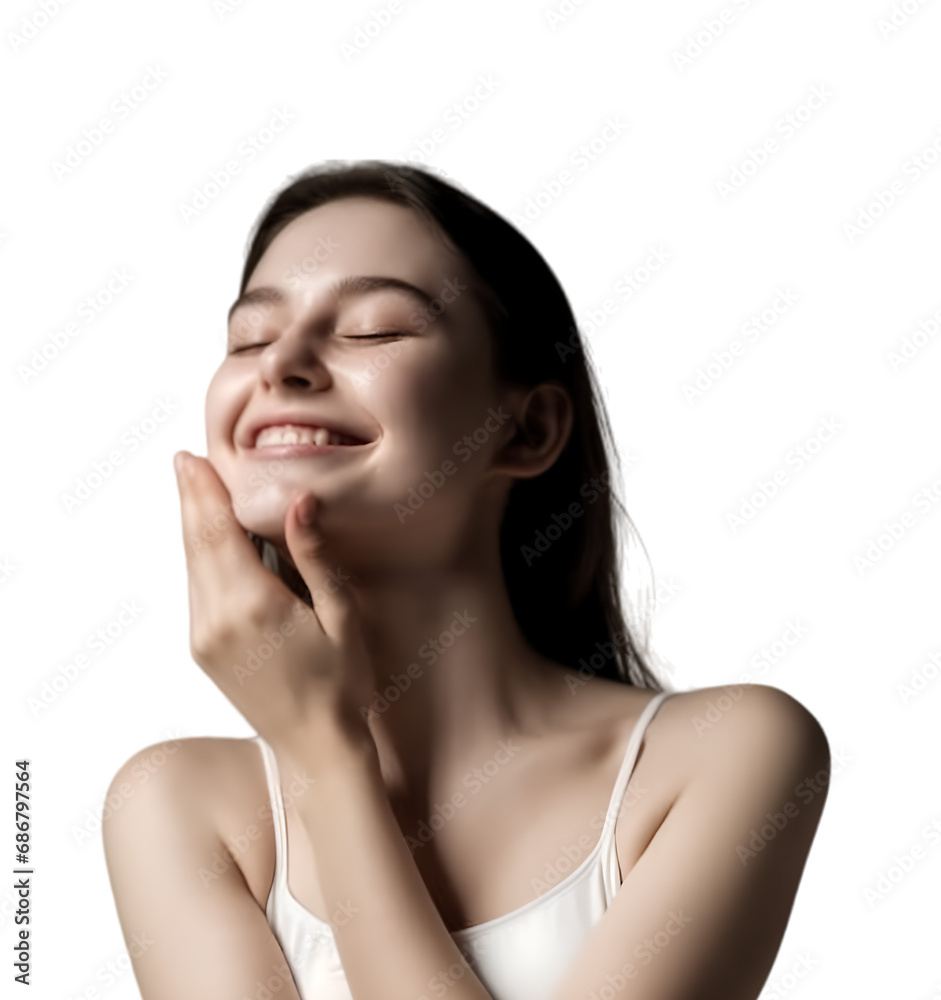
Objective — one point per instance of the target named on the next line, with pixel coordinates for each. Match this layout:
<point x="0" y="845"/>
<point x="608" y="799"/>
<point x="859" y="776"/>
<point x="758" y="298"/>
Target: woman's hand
<point x="292" y="671"/>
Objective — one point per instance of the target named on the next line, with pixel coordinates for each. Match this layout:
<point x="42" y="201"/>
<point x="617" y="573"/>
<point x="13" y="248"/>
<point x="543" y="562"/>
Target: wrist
<point x="328" y="740"/>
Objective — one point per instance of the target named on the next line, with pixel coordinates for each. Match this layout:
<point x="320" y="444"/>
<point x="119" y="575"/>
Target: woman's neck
<point x="453" y="673"/>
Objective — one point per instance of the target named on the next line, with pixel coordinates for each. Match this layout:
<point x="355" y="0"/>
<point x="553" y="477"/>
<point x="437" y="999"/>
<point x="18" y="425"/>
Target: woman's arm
<point x="701" y="914"/>
<point x="395" y="946"/>
<point x="189" y="938"/>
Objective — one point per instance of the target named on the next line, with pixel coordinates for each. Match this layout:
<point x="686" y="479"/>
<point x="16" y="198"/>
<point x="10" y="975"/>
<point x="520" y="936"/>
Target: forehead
<point x="359" y="235"/>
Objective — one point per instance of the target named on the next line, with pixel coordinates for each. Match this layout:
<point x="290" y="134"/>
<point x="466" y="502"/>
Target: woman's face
<point x="407" y="373"/>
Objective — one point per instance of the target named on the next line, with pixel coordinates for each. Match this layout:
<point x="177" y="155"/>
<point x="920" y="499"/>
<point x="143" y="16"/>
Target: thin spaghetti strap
<point x="277" y="807"/>
<point x="630" y="758"/>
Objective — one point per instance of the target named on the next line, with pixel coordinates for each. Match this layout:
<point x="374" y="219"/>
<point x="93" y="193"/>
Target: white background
<point x="867" y="628"/>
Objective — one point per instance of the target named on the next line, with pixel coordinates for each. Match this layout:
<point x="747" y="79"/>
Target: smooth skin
<point x="688" y="854"/>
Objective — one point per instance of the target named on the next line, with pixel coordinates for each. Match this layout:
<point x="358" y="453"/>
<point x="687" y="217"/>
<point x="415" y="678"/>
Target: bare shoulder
<point x="752" y="735"/>
<point x="214" y="789"/>
<point x="724" y="716"/>
<point x="205" y="779"/>
<point x="184" y="764"/>
<point x="707" y="731"/>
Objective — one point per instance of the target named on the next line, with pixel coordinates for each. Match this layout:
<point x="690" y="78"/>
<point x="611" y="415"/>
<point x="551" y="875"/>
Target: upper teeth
<point x="296" y="434"/>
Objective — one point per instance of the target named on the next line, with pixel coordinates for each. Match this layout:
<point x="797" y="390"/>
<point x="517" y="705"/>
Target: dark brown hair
<point x="567" y="598"/>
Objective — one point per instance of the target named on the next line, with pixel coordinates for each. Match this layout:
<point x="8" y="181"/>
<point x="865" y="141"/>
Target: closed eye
<point x="385" y="335"/>
<point x="247" y="347"/>
<point x="377" y="336"/>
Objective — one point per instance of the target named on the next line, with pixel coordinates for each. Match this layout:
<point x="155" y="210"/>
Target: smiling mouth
<point x="290" y="440"/>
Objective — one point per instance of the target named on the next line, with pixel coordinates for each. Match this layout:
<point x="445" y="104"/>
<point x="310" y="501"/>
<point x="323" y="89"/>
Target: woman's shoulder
<point x="702" y="707"/>
<point x="209" y="778"/>
<point x="737" y="740"/>
<point x="188" y="760"/>
<point x="743" y="709"/>
<point x="710" y="726"/>
<point x="209" y="788"/>
<point x="699" y="724"/>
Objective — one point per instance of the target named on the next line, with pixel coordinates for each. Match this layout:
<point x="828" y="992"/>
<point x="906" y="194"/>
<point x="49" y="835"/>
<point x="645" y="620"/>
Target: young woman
<point x="403" y="571"/>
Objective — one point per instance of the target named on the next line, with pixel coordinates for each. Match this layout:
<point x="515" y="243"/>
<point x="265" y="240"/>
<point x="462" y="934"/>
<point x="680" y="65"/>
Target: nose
<point x="293" y="360"/>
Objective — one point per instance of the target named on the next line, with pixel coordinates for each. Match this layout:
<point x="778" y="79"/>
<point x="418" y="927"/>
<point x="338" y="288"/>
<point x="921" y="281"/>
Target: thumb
<point x="334" y="602"/>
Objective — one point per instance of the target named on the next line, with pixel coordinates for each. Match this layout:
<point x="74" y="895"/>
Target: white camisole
<point x="522" y="955"/>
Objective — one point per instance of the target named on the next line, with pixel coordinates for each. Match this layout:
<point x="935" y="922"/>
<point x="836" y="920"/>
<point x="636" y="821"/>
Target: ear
<point x="543" y="416"/>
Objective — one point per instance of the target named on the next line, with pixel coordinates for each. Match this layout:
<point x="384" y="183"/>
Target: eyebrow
<point x="352" y="285"/>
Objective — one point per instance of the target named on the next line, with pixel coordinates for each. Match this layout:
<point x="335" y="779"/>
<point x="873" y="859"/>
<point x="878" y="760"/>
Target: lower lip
<point x="300" y="450"/>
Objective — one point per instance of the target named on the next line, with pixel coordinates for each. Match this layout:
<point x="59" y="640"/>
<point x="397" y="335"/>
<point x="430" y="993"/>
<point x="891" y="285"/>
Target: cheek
<point x="224" y="399"/>
<point x="427" y="402"/>
<point x="218" y="395"/>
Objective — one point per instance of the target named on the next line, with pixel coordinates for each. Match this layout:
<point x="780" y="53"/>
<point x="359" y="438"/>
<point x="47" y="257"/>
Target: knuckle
<point x="255" y="612"/>
<point x="200" y="646"/>
<point x="208" y="636"/>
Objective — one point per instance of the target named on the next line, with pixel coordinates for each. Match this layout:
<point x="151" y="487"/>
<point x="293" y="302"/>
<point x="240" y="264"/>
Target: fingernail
<point x="179" y="462"/>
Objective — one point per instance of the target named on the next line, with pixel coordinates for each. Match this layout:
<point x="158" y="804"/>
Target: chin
<point x="264" y="517"/>
<point x="260" y="506"/>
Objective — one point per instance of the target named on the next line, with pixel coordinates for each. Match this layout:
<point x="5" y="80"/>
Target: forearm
<point x="395" y="943"/>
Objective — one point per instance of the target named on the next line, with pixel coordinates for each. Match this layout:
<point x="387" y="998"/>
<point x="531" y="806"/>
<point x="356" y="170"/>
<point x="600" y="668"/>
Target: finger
<point x="218" y="551"/>
<point x="329" y="585"/>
